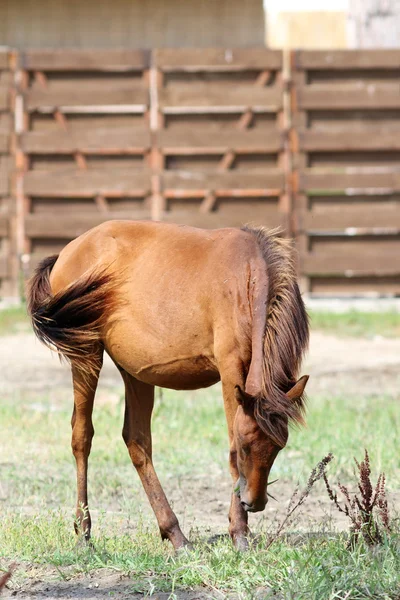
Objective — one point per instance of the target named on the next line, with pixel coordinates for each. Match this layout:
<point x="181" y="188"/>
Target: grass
<point x="354" y="323"/>
<point x="14" y="320"/>
<point x="314" y="568"/>
<point x="37" y="495"/>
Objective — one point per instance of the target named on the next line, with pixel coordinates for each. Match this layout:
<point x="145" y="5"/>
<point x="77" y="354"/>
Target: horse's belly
<point x="184" y="373"/>
<point x="180" y="374"/>
<point x="172" y="359"/>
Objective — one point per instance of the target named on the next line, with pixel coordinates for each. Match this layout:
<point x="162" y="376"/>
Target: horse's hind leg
<point x="82" y="435"/>
<point x="139" y="400"/>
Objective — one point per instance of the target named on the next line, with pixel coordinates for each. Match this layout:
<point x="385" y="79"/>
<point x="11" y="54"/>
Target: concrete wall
<point x="131" y="23"/>
<point x="374" y="23"/>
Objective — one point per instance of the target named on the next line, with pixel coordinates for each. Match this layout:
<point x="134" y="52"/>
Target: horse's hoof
<point x="241" y="543"/>
<point x="83" y="542"/>
<point x="186" y="548"/>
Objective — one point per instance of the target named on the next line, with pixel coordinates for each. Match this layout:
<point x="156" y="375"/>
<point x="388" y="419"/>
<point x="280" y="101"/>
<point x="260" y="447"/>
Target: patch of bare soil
<point x="335" y="364"/>
<point x="353" y="365"/>
<point x="96" y="586"/>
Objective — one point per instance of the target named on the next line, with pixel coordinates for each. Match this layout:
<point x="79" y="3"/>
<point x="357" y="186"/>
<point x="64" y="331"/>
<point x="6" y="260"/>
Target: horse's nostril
<point x="253" y="507"/>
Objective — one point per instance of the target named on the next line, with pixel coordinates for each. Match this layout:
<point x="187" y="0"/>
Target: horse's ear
<point x="244" y="399"/>
<point x="297" y="390"/>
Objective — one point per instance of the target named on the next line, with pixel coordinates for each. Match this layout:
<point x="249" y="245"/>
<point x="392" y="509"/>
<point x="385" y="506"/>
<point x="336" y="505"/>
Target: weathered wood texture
<point x="219" y="135"/>
<point x="7" y="238"/>
<point x="345" y="142"/>
<point x="208" y="137"/>
<point x="193" y="136"/>
<point x="84" y="143"/>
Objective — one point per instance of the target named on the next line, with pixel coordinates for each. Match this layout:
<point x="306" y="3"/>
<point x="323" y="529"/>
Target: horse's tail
<point x="70" y="321"/>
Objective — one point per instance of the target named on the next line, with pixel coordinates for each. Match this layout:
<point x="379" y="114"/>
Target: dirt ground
<point x="339" y="365"/>
<point x="345" y="364"/>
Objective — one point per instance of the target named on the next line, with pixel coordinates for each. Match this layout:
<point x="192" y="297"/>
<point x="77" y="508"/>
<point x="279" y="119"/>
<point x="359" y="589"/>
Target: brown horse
<point x="180" y="308"/>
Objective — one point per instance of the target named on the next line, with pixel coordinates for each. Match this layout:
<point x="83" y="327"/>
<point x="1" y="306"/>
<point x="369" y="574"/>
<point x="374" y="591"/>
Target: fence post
<point x="299" y="162"/>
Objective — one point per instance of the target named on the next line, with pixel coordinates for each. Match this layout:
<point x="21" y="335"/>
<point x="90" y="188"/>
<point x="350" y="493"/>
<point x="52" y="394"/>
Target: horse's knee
<point x="81" y="441"/>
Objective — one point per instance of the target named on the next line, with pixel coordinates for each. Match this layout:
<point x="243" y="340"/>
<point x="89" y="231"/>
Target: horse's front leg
<point x="238" y="517"/>
<point x="139" y="400"/>
<point x="82" y="435"/>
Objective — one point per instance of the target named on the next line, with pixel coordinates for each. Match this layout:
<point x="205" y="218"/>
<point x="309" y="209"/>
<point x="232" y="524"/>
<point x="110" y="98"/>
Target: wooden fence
<point x="9" y="266"/>
<point x="346" y="145"/>
<point x="307" y="140"/>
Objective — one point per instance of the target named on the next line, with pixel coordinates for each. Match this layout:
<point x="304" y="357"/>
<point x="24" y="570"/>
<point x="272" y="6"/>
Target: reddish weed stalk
<point x="298" y="498"/>
<point x="368" y="512"/>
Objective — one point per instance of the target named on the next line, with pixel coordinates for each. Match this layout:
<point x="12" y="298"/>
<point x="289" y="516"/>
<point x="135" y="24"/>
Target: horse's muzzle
<point x="254" y="506"/>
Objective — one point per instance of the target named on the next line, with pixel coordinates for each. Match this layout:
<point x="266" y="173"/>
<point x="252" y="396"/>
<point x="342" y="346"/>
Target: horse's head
<point x="256" y="450"/>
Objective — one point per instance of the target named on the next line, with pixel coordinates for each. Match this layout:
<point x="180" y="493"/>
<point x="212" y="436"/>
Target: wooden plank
<point x="219" y="142"/>
<point x="85" y="60"/>
<point x="349" y="96"/>
<point x="4" y="270"/>
<point x="351" y="220"/>
<point x="348" y="139"/>
<point x="70" y="226"/>
<point x="88" y="121"/>
<point x="214" y="95"/>
<point x="4" y="97"/>
<point x="100" y="141"/>
<point x="262" y="215"/>
<point x="75" y="94"/>
<point x="350" y="181"/>
<point x="347" y="59"/>
<point x="245" y="119"/>
<point x="60" y="119"/>
<point x="112" y="183"/>
<point x="4" y="53"/>
<point x="345" y="286"/>
<point x="6" y="123"/>
<point x="367" y="262"/>
<point x="219" y="59"/>
<point x="5" y="175"/>
<point x="4" y="142"/>
<point x="6" y="78"/>
<point x="227" y="160"/>
<point x="219" y="180"/>
<point x="4" y="225"/>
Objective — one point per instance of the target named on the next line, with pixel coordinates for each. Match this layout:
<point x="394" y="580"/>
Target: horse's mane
<point x="285" y="338"/>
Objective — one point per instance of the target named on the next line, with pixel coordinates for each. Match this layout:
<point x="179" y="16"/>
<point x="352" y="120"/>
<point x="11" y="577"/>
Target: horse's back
<point x="157" y="246"/>
<point x="178" y="285"/>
